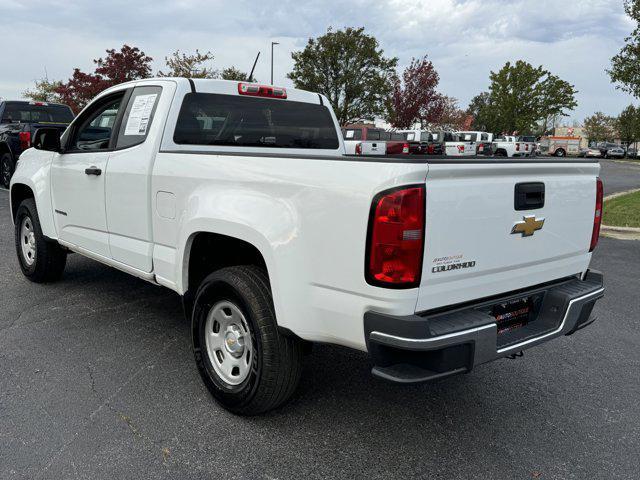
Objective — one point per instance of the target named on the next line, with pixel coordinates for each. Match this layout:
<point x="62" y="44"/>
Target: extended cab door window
<point x="138" y="116"/>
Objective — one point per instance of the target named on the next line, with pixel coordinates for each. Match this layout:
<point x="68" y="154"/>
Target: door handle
<point x="93" y="171"/>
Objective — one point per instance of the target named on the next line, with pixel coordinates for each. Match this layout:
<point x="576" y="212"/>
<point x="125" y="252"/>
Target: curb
<point x="621" y="233"/>
<point x="619" y="194"/>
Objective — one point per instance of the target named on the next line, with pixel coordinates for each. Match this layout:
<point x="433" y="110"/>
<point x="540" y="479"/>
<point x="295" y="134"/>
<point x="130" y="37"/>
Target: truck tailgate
<point x="470" y="250"/>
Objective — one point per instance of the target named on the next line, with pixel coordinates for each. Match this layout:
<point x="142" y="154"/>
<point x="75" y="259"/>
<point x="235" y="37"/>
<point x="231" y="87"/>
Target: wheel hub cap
<point x="228" y="342"/>
<point x="28" y="241"/>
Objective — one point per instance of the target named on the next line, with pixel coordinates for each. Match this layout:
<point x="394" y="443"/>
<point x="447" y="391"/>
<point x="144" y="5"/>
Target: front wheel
<point x="41" y="260"/>
<point x="560" y="153"/>
<point x="6" y="169"/>
<point x="246" y="363"/>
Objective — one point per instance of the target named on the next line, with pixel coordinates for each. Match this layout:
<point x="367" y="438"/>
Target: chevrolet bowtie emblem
<point x="528" y="226"/>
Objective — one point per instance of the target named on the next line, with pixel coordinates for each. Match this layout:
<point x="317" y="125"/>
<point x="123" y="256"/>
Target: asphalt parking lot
<point x="97" y="381"/>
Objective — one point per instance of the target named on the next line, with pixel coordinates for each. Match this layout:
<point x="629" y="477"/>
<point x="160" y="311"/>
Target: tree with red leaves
<point x="414" y="97"/>
<point x="117" y="67"/>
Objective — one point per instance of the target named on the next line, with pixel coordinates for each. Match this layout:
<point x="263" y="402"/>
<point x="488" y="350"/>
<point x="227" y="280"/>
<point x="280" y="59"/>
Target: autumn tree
<point x="232" y="73"/>
<point x="414" y="97"/>
<point x="522" y="98"/>
<point x="451" y="116"/>
<point x="625" y="66"/>
<point x="117" y="67"/>
<point x="350" y="69"/>
<point x="599" y="127"/>
<point x="43" y="91"/>
<point x="189" y="65"/>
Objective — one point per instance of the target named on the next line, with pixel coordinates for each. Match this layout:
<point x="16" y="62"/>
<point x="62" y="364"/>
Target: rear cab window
<point x="214" y="119"/>
<point x="36" y="112"/>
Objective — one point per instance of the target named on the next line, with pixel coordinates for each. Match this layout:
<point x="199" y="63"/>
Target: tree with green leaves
<point x="524" y="95"/>
<point x="625" y="66"/>
<point x="599" y="127"/>
<point x="627" y="125"/>
<point x="44" y="91"/>
<point x="523" y="98"/>
<point x="480" y="109"/>
<point x="350" y="69"/>
<point x="232" y="73"/>
<point x="189" y="65"/>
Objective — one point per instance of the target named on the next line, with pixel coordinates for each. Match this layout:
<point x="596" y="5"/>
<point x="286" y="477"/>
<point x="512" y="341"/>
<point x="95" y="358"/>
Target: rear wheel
<point x="561" y="153"/>
<point x="246" y="363"/>
<point x="41" y="260"/>
<point x="6" y="169"/>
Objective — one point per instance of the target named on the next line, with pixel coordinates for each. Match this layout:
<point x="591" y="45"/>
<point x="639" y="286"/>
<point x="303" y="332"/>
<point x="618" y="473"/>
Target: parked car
<point x="633" y="152"/>
<point x="560" y="146"/>
<point x="483" y="141"/>
<point x="604" y="147"/>
<point x="18" y="122"/>
<point x="394" y="142"/>
<point x="239" y="197"/>
<point x="509" y="146"/>
<point x="615" y="152"/>
<point x="591" y="152"/>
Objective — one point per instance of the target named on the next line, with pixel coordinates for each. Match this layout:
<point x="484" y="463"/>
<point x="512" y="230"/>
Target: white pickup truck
<point x="239" y="197"/>
<point x="509" y="146"/>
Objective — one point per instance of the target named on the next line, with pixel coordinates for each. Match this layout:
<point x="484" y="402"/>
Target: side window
<point x="138" y="116"/>
<point x="96" y="126"/>
<point x="484" y="137"/>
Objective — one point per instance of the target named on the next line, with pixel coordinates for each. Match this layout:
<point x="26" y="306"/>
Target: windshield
<point x="32" y="113"/>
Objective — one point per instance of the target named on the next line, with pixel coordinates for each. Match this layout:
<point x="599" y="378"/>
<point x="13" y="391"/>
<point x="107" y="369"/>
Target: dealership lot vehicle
<point x="238" y="197"/>
<point x="483" y="141"/>
<point x="18" y="122"/>
<point x="368" y="140"/>
<point x="509" y="146"/>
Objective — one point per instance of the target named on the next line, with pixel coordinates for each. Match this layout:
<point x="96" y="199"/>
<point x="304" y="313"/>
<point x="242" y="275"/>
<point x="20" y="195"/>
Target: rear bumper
<point x="420" y="348"/>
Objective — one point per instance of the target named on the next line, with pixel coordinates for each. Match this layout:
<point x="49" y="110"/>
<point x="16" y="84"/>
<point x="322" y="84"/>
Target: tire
<point x="41" y="260"/>
<point x="560" y="153"/>
<point x="501" y="153"/>
<point x="268" y="363"/>
<point x="6" y="169"/>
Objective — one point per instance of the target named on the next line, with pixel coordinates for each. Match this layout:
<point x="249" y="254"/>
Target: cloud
<point x="466" y="39"/>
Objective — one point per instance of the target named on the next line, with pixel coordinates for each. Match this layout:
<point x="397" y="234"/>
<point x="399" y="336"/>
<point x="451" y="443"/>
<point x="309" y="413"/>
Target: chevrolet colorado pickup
<point x="240" y="198"/>
<point x="18" y="122"/>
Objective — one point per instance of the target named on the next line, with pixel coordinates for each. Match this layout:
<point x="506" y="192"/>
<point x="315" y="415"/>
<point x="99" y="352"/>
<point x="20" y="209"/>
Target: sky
<point x="465" y="39"/>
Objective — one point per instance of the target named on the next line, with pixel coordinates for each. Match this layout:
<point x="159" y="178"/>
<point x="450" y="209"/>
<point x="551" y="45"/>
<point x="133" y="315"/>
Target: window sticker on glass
<point x="140" y="114"/>
<point x="350" y="134"/>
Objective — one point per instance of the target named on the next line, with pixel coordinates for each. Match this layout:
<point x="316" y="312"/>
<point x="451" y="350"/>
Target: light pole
<point x="272" y="44"/>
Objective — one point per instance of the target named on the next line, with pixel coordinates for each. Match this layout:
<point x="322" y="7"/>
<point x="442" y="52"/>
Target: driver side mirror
<point x="47" y="139"/>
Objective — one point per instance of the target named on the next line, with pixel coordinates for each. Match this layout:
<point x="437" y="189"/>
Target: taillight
<point x="396" y="238"/>
<point x="358" y="149"/>
<point x="526" y="147"/>
<point x="254" y="90"/>
<point x="517" y="147"/>
<point x="405" y="148"/>
<point x="25" y="140"/>
<point x="597" y="217"/>
<point x="460" y="148"/>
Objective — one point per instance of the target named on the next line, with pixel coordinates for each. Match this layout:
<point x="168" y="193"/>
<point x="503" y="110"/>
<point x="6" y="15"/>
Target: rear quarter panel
<point x="308" y="218"/>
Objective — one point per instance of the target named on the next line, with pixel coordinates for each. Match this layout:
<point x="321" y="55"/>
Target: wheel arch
<point x="19" y="193"/>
